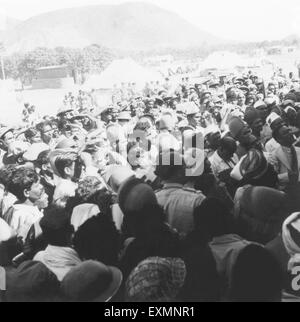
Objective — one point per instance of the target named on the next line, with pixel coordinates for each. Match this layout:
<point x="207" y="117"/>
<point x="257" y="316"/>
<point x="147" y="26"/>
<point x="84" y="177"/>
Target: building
<point x="53" y="77"/>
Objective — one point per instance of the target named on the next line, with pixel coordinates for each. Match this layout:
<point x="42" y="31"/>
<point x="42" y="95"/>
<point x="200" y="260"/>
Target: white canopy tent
<point x="11" y="105"/>
<point x="223" y="61"/>
<point x="122" y="71"/>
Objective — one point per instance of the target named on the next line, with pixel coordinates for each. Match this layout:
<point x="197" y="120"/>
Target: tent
<point x="11" y="105"/>
<point x="223" y="61"/>
<point x="122" y="71"/>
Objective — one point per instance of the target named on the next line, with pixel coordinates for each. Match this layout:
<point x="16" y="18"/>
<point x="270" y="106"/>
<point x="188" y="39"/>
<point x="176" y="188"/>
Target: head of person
<point x="263" y="109"/>
<point x="227" y="148"/>
<point x="6" y="174"/>
<point x="99" y="156"/>
<point x="116" y="137"/>
<point x="7" y="137"/>
<point x="170" y="167"/>
<point x="33" y="136"/>
<point x="134" y="198"/>
<point x="116" y="175"/>
<point x="98" y="239"/>
<point x="290" y="113"/>
<point x="241" y="99"/>
<point x="194" y="119"/>
<point x="167" y="123"/>
<point x="241" y="132"/>
<point x="56" y="227"/>
<point x="114" y="114"/>
<point x="137" y="154"/>
<point x="250" y="100"/>
<point x="87" y="188"/>
<point x="66" y="129"/>
<point x="91" y="281"/>
<point x="150" y="104"/>
<point x="124" y="118"/>
<point x="43" y="163"/>
<point x="32" y="282"/>
<point x="47" y="132"/>
<point x="156" y="279"/>
<point x="214" y="140"/>
<point x="254" y="169"/>
<point x="256" y="276"/>
<point x="272" y="88"/>
<point x="275" y="121"/>
<point x="25" y="185"/>
<point x="254" y="120"/>
<point x="213" y="219"/>
<point x="284" y="136"/>
<point x="232" y="97"/>
<point x="68" y="165"/>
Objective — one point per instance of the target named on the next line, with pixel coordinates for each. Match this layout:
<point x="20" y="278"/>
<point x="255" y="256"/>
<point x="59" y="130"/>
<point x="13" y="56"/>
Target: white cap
<point x="259" y="103"/>
<point x="189" y="108"/>
<point x="272" y="118"/>
<point x="289" y="108"/>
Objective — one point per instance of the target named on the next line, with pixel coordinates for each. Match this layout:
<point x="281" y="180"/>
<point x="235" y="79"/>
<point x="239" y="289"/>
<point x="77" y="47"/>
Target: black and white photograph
<point x="149" y="153"/>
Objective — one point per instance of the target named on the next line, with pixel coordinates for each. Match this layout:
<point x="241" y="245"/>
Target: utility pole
<point x="2" y="68"/>
<point x="2" y="51"/>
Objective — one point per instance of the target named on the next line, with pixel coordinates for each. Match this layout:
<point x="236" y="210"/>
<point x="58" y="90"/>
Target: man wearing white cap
<point x="273" y="121"/>
<point x="193" y="116"/>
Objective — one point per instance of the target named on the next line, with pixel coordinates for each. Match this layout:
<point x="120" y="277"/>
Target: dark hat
<point x="291" y="97"/>
<point x="251" y="115"/>
<point x="55" y="220"/>
<point x="134" y="195"/>
<point x="32" y="282"/>
<point x="287" y="103"/>
<point x="91" y="281"/>
<point x="235" y="126"/>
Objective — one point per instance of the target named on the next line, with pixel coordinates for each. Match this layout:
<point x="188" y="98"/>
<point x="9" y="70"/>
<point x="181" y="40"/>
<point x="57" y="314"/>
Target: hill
<point x="129" y="26"/>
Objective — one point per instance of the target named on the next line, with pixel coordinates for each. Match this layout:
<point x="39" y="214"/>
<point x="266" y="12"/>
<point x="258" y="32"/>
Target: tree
<point x="40" y="57"/>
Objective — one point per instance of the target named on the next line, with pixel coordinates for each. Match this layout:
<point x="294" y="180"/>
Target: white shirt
<point x="64" y="188"/>
<point x="21" y="217"/>
<point x="5" y="231"/>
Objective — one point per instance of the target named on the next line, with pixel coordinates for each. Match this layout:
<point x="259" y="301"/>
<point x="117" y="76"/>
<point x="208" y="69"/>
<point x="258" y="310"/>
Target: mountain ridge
<point x="134" y="26"/>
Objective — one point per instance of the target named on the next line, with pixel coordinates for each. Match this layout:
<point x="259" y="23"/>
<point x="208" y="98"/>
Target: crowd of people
<point x="185" y="193"/>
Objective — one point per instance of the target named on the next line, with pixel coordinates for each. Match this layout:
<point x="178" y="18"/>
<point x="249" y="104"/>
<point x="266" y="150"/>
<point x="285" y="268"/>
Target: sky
<point x="241" y="20"/>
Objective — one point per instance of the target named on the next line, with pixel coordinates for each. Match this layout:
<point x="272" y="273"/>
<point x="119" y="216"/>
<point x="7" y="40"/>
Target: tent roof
<point x="222" y="60"/>
<point x="122" y="71"/>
